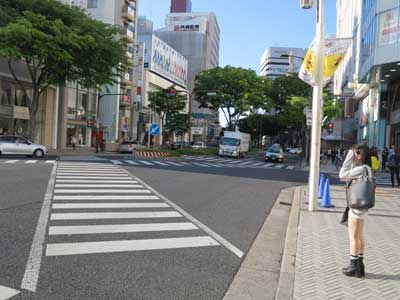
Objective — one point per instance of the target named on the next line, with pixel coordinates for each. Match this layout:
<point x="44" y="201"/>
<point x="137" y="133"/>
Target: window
<point x="92" y="4"/>
<point x="7" y="139"/>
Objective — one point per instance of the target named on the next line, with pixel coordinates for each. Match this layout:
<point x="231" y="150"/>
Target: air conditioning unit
<point x="306" y="4"/>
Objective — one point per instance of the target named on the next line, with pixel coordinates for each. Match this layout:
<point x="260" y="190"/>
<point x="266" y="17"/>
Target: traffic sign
<point x="154" y="129"/>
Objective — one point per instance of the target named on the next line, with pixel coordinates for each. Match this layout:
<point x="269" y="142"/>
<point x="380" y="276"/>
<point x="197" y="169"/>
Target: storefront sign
<point x="388" y="27"/>
<point x="139" y="67"/>
<point x="376" y="106"/>
<point x="197" y="130"/>
<point x="365" y="112"/>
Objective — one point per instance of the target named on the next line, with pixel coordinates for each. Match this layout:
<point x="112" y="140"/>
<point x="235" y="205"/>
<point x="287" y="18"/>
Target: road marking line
<point x="111" y="197"/>
<point x="212" y="165"/>
<point x="6" y="293"/>
<point x="290" y="167"/>
<point x="146" y="162"/>
<point x="215" y="235"/>
<point x="159" y="163"/>
<point x="116" y="162"/>
<point x="279" y="166"/>
<point x="98" y="186"/>
<point x="115" y="215"/>
<point x="108" y="205"/>
<point x="199" y="164"/>
<point x="245" y="163"/>
<point x="131" y="162"/>
<point x="128" y="245"/>
<point x="257" y="164"/>
<point x="90" y="174"/>
<point x="100" y="191"/>
<point x="225" y="165"/>
<point x="31" y="275"/>
<point x="95" y="181"/>
<point x="174" y="164"/>
<point x="31" y="161"/>
<point x="86" y="170"/>
<point x="90" y="177"/>
<point x="184" y="163"/>
<point x="102" y="166"/>
<point x="50" y="161"/>
<point x="10" y="161"/>
<point x="95" y="229"/>
<point x="268" y="165"/>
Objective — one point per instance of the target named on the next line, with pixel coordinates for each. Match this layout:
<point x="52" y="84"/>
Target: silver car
<point x="16" y="145"/>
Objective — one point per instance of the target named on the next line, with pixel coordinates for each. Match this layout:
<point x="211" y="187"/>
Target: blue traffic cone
<point x="321" y="186"/>
<point x="326" y="199"/>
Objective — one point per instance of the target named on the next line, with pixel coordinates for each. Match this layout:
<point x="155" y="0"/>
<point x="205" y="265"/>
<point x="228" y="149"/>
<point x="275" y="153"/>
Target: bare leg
<point x="353" y="238"/>
<point x="361" y="240"/>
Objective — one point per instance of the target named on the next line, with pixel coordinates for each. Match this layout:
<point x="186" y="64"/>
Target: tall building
<point x="278" y="61"/>
<point x="196" y="36"/>
<point x="181" y="6"/>
<point x="158" y="66"/>
<point x="369" y="81"/>
<point x="115" y="111"/>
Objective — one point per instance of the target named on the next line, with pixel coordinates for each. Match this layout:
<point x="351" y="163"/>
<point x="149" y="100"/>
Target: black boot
<point x="354" y="270"/>
<point x="362" y="266"/>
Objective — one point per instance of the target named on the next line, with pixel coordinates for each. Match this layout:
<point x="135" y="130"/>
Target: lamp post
<point x="316" y="109"/>
<point x="99" y="97"/>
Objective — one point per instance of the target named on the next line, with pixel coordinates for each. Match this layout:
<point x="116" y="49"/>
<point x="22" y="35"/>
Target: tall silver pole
<point x="316" y="110"/>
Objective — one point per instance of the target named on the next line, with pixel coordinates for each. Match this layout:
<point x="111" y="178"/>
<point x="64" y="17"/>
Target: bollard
<point x="321" y="186"/>
<point x="326" y="199"/>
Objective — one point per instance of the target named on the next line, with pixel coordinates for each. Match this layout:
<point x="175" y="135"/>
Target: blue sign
<point x="154" y="129"/>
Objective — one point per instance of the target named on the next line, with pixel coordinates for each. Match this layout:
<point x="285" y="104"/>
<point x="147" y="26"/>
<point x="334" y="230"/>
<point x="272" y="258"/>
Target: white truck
<point x="234" y="143"/>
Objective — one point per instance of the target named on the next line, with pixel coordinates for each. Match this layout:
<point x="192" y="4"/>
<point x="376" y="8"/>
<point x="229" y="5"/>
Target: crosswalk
<point x="90" y="207"/>
<point x="31" y="161"/>
<point x="202" y="162"/>
<point x="379" y="180"/>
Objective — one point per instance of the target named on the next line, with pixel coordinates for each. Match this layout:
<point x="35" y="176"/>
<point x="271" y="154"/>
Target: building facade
<point x="196" y="36"/>
<point x="279" y="61"/>
<point x="181" y="6"/>
<point x="369" y="81"/>
<point x="116" y="109"/>
<point x="160" y="67"/>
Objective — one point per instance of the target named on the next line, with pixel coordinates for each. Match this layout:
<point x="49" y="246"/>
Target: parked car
<point x="199" y="145"/>
<point x="129" y="147"/>
<point x="295" y="151"/>
<point x="180" y="145"/>
<point x="275" y="153"/>
<point x="18" y="145"/>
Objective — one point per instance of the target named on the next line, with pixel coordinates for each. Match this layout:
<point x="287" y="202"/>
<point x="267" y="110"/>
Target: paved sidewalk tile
<point x="323" y="249"/>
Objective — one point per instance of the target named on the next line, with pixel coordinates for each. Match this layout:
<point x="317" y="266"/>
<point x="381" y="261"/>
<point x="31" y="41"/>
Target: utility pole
<point x="316" y="110"/>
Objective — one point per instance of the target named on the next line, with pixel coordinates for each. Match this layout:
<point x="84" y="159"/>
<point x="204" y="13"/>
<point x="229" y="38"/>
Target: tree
<point x="166" y="102"/>
<point x="58" y="43"/>
<point x="237" y="91"/>
<point x="178" y="123"/>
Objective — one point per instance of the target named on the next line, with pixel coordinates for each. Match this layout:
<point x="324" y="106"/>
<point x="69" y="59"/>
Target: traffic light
<point x="329" y="127"/>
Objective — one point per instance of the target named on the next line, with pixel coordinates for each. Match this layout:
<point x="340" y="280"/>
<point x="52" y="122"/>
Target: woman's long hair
<point x="365" y="153"/>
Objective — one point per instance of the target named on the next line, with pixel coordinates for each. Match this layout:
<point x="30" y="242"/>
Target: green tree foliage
<point x="58" y="44"/>
<point x="167" y="102"/>
<point x="237" y="91"/>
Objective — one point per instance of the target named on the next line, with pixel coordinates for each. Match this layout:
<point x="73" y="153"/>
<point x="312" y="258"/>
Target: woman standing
<point x="356" y="164"/>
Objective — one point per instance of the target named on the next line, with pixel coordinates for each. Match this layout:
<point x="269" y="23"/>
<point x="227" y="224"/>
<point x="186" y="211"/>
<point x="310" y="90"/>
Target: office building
<point x="196" y="36"/>
<point x="181" y="6"/>
<point x="278" y="61"/>
<point x="115" y="111"/>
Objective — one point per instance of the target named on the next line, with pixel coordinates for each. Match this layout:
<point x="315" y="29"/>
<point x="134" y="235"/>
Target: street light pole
<point x="316" y="110"/>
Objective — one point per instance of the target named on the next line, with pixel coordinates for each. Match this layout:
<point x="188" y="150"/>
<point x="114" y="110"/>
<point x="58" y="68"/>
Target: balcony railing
<point x="129" y="33"/>
<point x="127" y="76"/>
<point x="129" y="54"/>
<point x="131" y="11"/>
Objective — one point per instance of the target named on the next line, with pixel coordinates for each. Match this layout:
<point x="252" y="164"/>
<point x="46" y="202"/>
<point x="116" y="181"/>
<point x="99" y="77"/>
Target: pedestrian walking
<point x="356" y="166"/>
<point x="374" y="160"/>
<point x="73" y="142"/>
<point x="385" y="156"/>
<point x="394" y="165"/>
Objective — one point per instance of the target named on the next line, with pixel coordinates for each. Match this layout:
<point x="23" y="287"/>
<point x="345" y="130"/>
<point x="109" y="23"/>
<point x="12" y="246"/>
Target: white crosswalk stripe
<point x="116" y="162"/>
<point x="279" y="166"/>
<point x="174" y="164"/>
<point x="112" y="196"/>
<point x="11" y="161"/>
<point x="131" y="162"/>
<point x="31" y="161"/>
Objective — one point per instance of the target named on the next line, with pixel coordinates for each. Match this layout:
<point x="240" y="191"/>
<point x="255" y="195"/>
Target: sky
<point x="249" y="27"/>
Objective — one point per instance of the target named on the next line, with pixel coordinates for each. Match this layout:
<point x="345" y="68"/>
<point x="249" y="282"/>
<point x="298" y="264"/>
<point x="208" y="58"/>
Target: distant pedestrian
<point x="385" y="156"/>
<point x="73" y="142"/>
<point x="356" y="165"/>
<point x="394" y="166"/>
<point x="374" y="160"/>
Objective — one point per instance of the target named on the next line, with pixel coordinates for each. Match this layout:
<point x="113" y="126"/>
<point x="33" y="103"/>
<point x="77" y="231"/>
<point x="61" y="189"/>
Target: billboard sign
<point x="388" y="27"/>
<point x="166" y="61"/>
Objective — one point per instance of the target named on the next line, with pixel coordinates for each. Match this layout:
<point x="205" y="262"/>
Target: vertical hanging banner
<point x="334" y="53"/>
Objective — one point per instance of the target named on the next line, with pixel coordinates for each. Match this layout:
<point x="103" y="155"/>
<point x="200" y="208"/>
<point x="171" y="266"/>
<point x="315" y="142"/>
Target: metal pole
<point x="316" y="110"/>
<point x="149" y="136"/>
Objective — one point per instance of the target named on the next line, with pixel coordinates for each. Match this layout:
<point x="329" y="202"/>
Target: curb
<point x="287" y="274"/>
<point x="259" y="274"/>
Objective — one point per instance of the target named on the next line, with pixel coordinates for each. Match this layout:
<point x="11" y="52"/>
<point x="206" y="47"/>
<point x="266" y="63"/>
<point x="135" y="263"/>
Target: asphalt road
<point x="230" y="203"/>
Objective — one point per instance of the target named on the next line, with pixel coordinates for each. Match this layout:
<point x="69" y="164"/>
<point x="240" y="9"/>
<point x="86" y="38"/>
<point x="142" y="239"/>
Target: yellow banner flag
<point x="334" y="53"/>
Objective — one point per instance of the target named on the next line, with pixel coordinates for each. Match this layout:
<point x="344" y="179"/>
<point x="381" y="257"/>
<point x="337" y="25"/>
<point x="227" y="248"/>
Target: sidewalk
<point x="315" y="250"/>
